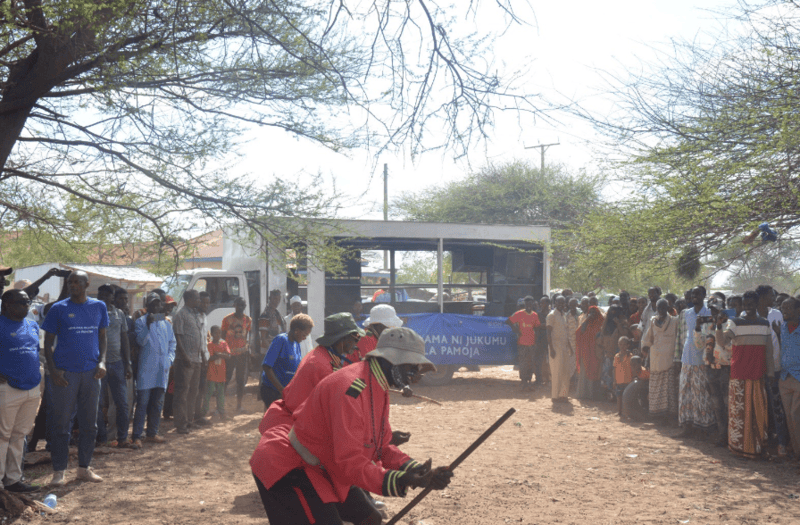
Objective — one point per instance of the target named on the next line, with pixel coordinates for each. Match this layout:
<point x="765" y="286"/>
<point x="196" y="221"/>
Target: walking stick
<point x="429" y="400"/>
<point x="475" y="444"/>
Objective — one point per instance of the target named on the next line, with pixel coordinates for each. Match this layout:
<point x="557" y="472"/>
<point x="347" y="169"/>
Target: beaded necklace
<point x="336" y="359"/>
<point x="378" y="375"/>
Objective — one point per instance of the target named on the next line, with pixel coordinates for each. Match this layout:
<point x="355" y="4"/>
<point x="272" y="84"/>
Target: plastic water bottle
<point x="51" y="500"/>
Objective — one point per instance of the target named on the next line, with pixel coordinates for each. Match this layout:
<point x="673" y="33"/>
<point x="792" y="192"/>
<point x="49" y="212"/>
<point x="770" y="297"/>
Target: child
<point x="215" y="378"/>
<point x="635" y="403"/>
<point x="622" y="370"/>
<point x="637" y="370"/>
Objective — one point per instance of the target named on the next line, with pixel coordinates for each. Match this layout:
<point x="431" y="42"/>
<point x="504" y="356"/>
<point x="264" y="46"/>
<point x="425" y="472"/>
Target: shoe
<point x="19" y="486"/>
<point x="87" y="474"/>
<point x="782" y="452"/>
<point x="183" y="431"/>
<point x="155" y="439"/>
<point x="136" y="444"/>
<point x="201" y="422"/>
<point x="58" y="479"/>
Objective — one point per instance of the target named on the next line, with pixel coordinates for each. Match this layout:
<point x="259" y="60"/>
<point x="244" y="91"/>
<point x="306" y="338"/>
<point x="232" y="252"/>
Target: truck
<point x="504" y="263"/>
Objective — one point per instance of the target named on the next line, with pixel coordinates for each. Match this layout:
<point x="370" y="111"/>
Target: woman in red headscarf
<point x="586" y="355"/>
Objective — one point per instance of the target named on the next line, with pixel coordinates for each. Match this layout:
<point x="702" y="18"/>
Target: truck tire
<point x="442" y="376"/>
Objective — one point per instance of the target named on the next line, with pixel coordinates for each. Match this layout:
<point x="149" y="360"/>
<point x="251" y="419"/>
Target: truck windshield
<point x="175" y="285"/>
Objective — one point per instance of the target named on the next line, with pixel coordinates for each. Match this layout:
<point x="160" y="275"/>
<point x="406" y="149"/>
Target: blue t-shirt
<point x="283" y="357"/>
<point x="77" y="327"/>
<point x="19" y="352"/>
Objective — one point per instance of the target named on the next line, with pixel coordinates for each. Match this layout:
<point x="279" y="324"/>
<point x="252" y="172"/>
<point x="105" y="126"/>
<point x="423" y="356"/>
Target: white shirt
<point x="773" y="314"/>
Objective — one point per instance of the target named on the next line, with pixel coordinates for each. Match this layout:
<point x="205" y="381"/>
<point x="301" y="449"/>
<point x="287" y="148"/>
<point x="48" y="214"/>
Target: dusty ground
<point x="574" y="464"/>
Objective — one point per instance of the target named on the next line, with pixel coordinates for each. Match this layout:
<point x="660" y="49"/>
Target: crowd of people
<point x="722" y="368"/>
<point x="106" y="373"/>
<point x="726" y="369"/>
<point x="103" y="375"/>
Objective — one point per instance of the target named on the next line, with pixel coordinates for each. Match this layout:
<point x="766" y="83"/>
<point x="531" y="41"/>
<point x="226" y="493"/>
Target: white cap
<point x="383" y="314"/>
<point x="295" y="299"/>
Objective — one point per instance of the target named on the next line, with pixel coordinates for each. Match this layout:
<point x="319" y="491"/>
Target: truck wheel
<point x="442" y="376"/>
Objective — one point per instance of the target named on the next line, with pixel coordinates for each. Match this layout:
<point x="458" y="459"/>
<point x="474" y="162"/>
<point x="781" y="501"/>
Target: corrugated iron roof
<point x="117" y="273"/>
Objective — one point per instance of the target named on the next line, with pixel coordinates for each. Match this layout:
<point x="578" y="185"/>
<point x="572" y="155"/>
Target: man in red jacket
<point x="317" y="470"/>
<point x="335" y="350"/>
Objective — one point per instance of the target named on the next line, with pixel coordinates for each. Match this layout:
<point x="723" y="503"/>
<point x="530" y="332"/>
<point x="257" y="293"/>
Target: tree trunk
<point x="11" y="125"/>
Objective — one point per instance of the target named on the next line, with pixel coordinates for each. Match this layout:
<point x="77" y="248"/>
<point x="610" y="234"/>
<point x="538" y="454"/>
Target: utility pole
<point x="543" y="148"/>
<point x="385" y="209"/>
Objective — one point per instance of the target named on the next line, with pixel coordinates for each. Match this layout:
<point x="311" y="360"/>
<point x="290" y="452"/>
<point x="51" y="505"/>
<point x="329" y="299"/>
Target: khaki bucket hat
<point x="402" y="346"/>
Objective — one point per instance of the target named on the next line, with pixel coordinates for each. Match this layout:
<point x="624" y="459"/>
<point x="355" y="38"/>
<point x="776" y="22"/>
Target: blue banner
<point x="453" y="339"/>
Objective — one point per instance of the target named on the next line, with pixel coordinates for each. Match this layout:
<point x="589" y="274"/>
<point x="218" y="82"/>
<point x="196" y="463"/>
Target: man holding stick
<point x="344" y="427"/>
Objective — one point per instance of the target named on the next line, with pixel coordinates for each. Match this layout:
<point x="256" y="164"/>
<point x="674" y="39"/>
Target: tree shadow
<point x="248" y="505"/>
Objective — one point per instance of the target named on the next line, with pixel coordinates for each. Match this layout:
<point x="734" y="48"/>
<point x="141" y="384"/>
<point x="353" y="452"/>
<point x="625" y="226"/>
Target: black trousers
<point x="294" y="501"/>
<point x="239" y="363"/>
<point x="268" y="395"/>
<point x="539" y="359"/>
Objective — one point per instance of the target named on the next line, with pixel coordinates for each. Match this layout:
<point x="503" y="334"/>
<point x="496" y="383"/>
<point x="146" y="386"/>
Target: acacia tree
<point x="126" y="104"/>
<point x="708" y="142"/>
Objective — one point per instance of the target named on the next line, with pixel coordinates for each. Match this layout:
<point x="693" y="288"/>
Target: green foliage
<point x="131" y="105"/>
<point x="514" y="192"/>
<point x="774" y="263"/>
<point x="709" y="142"/>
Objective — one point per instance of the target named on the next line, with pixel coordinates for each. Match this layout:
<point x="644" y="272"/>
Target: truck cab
<point x="223" y="286"/>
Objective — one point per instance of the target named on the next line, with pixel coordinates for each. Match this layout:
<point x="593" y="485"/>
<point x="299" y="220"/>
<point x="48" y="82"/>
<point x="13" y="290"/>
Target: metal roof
<point x="117" y="273"/>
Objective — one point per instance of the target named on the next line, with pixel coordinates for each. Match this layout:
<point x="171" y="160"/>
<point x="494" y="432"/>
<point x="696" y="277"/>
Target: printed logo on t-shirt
<point x="71" y="316"/>
<point x="13" y="334"/>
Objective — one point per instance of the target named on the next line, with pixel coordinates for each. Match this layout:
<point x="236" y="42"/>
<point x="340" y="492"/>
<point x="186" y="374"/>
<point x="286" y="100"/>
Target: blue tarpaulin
<point x="452" y="339"/>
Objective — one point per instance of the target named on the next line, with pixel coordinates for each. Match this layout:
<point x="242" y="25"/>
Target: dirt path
<point x="574" y="464"/>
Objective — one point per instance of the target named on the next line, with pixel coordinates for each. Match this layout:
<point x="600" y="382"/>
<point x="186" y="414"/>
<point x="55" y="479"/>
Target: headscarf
<point x="585" y="341"/>
<point x="613" y="312"/>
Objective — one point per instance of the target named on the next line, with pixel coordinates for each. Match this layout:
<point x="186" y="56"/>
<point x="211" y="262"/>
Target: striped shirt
<point x="751" y="348"/>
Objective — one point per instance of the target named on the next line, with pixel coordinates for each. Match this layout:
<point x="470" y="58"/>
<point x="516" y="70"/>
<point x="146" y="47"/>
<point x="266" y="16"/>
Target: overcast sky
<point x="569" y="48"/>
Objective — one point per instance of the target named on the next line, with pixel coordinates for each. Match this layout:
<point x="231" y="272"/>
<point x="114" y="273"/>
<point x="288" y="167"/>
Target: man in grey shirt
<point x="118" y="370"/>
<point x="189" y="358"/>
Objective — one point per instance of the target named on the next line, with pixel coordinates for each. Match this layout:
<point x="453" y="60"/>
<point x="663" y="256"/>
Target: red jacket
<point x="314" y="367"/>
<point x="366" y="344"/>
<point x="339" y="423"/>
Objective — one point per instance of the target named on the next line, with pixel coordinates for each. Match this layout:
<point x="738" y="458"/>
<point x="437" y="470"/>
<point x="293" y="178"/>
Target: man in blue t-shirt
<point x="76" y="367"/>
<point x="282" y="358"/>
<point x="19" y="385"/>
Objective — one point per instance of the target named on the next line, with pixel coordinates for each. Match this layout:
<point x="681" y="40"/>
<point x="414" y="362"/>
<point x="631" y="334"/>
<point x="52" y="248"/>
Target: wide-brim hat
<point x="384" y="314"/>
<point x="338" y="326"/>
<point x="402" y="346"/>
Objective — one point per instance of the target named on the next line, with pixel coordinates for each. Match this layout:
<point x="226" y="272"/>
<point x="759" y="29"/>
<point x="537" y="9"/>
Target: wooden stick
<point x="456" y="462"/>
<point x="429" y="400"/>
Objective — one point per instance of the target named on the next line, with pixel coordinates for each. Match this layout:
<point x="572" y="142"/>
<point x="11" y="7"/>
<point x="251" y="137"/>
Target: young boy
<point x="635" y="404"/>
<point x="637" y="370"/>
<point x="622" y="370"/>
<point x="215" y="377"/>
